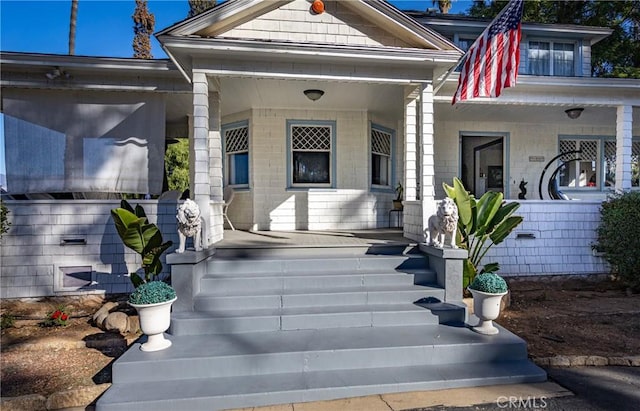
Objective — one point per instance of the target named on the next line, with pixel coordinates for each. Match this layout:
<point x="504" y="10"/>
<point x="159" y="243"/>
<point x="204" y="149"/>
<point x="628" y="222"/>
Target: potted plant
<point x="482" y="224"/>
<point x="153" y="302"/>
<point x="152" y="298"/>
<point x="487" y="290"/>
<point x="397" y="203"/>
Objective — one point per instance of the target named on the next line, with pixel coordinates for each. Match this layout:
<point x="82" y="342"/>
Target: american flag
<point x="491" y="63"/>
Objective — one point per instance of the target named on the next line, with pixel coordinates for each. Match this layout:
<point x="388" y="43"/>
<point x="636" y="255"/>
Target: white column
<point x="199" y="155"/>
<point x="427" y="180"/>
<point x="216" y="227"/>
<point x="624" y="123"/>
<point x="410" y="149"/>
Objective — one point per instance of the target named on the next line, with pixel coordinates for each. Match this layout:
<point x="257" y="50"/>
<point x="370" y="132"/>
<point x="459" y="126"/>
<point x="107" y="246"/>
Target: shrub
<point x="7" y="321"/>
<point x="152" y="293"/>
<point x="4" y="221"/>
<point x="489" y="283"/>
<point x="619" y="236"/>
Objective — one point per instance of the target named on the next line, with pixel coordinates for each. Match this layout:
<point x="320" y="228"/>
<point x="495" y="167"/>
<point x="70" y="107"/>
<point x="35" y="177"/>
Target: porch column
<point x="410" y="149"/>
<point x="199" y="153"/>
<point x="624" y="123"/>
<point x="427" y="180"/>
<point x="216" y="227"/>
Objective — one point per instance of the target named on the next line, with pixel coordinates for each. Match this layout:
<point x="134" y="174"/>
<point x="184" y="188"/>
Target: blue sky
<point x="104" y="27"/>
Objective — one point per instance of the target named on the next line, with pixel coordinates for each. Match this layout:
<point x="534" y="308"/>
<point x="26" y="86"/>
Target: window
<point x="610" y="163"/>
<point x="584" y="172"/>
<point x="551" y="58"/>
<point x="597" y="165"/>
<point x="381" y="156"/>
<point x="236" y="149"/>
<point x="311" y="147"/>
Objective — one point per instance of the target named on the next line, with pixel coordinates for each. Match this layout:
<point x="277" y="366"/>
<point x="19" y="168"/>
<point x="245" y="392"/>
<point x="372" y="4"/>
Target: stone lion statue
<point x="189" y="225"/>
<point x="443" y="225"/>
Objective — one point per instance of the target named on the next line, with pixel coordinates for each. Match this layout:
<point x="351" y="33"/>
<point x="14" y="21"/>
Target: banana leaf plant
<point x="142" y="237"/>
<point x="482" y="224"/>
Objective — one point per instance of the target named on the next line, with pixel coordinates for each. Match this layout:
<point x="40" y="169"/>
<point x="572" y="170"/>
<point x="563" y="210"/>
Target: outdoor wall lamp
<point x="313" y="94"/>
<point x="574" y="113"/>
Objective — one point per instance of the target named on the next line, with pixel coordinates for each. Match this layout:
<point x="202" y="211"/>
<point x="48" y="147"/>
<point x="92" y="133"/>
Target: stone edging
<point x="587" y="360"/>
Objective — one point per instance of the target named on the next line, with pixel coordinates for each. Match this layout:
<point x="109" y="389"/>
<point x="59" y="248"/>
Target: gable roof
<point x="371" y="30"/>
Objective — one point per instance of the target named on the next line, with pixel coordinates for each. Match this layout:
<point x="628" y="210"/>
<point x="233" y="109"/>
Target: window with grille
<point x="609" y="166"/>
<point x="236" y="148"/>
<point x="551" y="58"/>
<point x="311" y="153"/>
<point x="381" y="156"/>
<point x="584" y="172"/>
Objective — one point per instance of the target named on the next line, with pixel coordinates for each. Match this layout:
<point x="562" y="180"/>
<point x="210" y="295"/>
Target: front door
<point x="483" y="164"/>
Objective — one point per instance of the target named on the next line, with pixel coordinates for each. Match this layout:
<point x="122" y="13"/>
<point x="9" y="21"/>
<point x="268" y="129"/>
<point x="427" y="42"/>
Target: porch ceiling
<point x="241" y="94"/>
<point x="532" y="114"/>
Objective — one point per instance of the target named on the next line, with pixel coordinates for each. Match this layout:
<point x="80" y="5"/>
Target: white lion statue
<point x="189" y="225"/>
<point x="443" y="225"/>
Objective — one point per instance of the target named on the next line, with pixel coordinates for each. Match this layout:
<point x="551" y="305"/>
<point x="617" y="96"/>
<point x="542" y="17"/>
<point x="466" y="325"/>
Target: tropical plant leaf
<point x="504" y="229"/>
<point x="464" y="203"/>
<point x="505" y="211"/>
<point x="468" y="273"/>
<point x="487" y="207"/>
<point x="490" y="268"/>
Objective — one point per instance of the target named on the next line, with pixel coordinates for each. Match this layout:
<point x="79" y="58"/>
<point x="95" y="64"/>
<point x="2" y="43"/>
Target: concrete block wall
<point x="293" y="22"/>
<point x="562" y="235"/>
<point x="31" y="251"/>
<point x="413" y="220"/>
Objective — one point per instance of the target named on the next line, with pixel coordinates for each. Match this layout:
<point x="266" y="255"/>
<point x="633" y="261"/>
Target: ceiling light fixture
<point x="313" y="94"/>
<point x="574" y="113"/>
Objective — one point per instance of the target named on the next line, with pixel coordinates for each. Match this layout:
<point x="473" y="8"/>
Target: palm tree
<point x="443" y="5"/>
<point x="72" y="27"/>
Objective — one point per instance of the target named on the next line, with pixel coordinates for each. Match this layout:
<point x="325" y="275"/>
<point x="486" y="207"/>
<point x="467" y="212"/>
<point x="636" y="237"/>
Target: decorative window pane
<point x="609" y="163"/>
<point x="380" y="157"/>
<point x="635" y="164"/>
<point x="582" y="173"/>
<point x="236" y="143"/>
<point x="311" y="154"/>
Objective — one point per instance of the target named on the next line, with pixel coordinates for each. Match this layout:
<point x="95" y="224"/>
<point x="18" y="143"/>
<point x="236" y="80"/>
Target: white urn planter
<point x="154" y="321"/>
<point x="486" y="306"/>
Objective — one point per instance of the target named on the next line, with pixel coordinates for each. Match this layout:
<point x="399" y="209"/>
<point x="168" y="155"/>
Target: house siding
<point x="350" y="205"/>
<point x="525" y="140"/>
<point x="563" y="235"/>
<point x="294" y="22"/>
<point x="31" y="251"/>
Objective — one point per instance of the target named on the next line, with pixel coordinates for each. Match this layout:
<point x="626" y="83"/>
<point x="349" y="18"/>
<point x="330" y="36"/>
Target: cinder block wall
<point x="32" y="253"/>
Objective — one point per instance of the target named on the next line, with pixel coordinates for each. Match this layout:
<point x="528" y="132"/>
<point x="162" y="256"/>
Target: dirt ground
<point x="555" y="317"/>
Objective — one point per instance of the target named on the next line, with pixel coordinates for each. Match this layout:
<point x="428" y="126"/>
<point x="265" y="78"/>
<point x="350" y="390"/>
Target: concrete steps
<point x="303" y="324"/>
<point x="221" y="371"/>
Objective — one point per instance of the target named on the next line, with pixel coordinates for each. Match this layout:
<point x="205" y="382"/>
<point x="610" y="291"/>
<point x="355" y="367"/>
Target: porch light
<point x="574" y="113"/>
<point x="313" y="94"/>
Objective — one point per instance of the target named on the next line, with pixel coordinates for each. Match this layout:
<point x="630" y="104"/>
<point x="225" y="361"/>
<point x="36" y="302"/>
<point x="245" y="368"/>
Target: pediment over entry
<point x="343" y="23"/>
